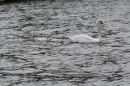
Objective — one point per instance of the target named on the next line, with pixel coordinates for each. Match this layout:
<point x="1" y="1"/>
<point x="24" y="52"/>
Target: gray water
<point x="65" y="64"/>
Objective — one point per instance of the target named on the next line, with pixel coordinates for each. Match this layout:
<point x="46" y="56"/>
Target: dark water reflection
<point x="61" y="64"/>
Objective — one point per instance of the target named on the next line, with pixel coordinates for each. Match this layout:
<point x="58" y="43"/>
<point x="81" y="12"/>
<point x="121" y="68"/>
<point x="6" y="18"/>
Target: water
<point x="61" y="64"/>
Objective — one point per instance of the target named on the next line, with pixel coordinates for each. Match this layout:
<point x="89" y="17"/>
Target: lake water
<point x="42" y="63"/>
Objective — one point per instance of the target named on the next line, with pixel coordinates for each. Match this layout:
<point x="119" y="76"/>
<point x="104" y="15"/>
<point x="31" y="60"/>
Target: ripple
<point x="74" y="64"/>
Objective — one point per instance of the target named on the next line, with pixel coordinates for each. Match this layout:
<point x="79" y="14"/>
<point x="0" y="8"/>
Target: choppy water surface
<point x="61" y="64"/>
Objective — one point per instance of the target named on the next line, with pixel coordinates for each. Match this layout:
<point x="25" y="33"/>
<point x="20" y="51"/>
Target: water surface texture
<point x="41" y="63"/>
